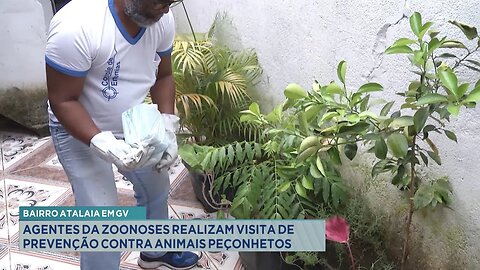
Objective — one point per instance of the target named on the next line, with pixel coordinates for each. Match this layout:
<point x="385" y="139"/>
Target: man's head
<point x="147" y="12"/>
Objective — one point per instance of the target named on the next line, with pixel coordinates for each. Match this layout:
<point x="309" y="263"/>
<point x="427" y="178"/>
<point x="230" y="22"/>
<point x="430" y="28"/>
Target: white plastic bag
<point x="143" y="127"/>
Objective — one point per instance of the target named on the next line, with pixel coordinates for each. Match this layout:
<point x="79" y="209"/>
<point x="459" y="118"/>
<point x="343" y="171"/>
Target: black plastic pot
<point x="203" y="188"/>
<point x="264" y="261"/>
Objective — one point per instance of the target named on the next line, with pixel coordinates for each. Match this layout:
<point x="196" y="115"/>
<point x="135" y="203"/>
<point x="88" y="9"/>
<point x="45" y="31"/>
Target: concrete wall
<point x="299" y="41"/>
<point x="22" y="65"/>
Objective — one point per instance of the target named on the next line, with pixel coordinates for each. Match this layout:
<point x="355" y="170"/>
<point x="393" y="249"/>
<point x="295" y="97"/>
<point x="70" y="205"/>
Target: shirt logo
<point x="110" y="79"/>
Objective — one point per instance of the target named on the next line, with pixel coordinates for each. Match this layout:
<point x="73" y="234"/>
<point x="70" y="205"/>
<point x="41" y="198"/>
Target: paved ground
<point x="31" y="175"/>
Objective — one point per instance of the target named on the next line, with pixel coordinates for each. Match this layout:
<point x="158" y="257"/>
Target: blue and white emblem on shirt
<point x="109" y="92"/>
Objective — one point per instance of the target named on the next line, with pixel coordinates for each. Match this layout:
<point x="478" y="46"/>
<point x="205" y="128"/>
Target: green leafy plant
<point x="213" y="84"/>
<point x="400" y="140"/>
<point x="270" y="178"/>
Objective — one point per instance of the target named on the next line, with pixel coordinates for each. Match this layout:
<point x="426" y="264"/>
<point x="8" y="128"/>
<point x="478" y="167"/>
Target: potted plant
<point x="268" y="177"/>
<point x="213" y="84"/>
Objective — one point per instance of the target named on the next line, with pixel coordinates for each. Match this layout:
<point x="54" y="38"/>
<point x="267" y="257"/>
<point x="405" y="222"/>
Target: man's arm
<point x="63" y="93"/>
<point x="163" y="91"/>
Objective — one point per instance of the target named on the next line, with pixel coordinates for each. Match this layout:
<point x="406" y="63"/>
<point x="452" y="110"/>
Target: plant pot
<point x="203" y="188"/>
<point x="264" y="260"/>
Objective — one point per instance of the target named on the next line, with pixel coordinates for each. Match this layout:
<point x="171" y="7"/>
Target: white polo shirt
<point x="87" y="39"/>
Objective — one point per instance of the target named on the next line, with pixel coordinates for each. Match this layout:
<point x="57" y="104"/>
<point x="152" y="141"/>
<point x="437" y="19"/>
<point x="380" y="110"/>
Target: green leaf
<point x="449" y="80"/>
<point x="453" y="44"/>
<point x="420" y="118"/>
<point x="338" y="193"/>
<point x="334" y="88"/>
<point x="418" y="58"/>
<point x="314" y="171"/>
<point x="432" y="98"/>
<point x="474" y="95"/>
<point x="248" y="117"/>
<point x="433" y="33"/>
<point x="472" y="67"/>
<point x="425" y="28"/>
<point x="416" y="23"/>
<point x="329" y="115"/>
<point x="423" y="196"/>
<point x="424" y="158"/>
<point x="354" y="129"/>
<point x="188" y="155"/>
<point x="386" y="109"/>
<point x="398" y="145"/>
<point x="355" y="99"/>
<point x="402" y="42"/>
<point x="469" y="31"/>
<point x="451" y="135"/>
<point x="435" y="157"/>
<point x="453" y="109"/>
<point x="326" y="190"/>
<point x="462" y="89"/>
<point x="341" y="70"/>
<point x="230" y="153"/>
<point x="367" y="114"/>
<point x="397" y="179"/>
<point x="284" y="187"/>
<point x="254" y="108"/>
<point x="334" y="155"/>
<point x="429" y="128"/>
<point x="301" y="190"/>
<point x="398" y="50"/>
<point x="364" y="103"/>
<point x="307" y="183"/>
<point x="353" y="118"/>
<point x="370" y="87"/>
<point x="249" y="151"/>
<point x="402" y="121"/>
<point x="319" y="164"/>
<point x="311" y="112"/>
<point x="295" y="91"/>
<point x="381" y="149"/>
<point x="351" y="150"/>
<point x="433" y="45"/>
<point x="473" y="62"/>
<point x="302" y="122"/>
<point x="447" y="55"/>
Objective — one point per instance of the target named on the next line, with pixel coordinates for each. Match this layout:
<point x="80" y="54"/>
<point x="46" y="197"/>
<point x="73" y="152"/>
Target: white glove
<point x="110" y="149"/>
<point x="171" y="123"/>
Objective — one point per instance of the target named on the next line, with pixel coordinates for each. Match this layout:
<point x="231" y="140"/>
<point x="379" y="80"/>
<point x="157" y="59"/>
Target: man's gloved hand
<point x="170" y="155"/>
<point x="110" y="149"/>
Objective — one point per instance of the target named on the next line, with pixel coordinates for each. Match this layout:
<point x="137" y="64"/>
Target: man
<point x="103" y="57"/>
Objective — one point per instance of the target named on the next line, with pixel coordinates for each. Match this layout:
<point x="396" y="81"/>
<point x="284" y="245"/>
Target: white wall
<point x="299" y="41"/>
<point x="23" y="36"/>
<point x="23" y="39"/>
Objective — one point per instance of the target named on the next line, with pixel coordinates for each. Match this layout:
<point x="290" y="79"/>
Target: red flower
<point x="337" y="229"/>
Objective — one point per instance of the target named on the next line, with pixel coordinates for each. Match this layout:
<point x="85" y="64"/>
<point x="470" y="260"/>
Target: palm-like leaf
<point x="213" y="84"/>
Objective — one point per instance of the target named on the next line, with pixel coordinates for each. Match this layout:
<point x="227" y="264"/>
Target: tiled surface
<point x="24" y="193"/>
<point x="30" y="174"/>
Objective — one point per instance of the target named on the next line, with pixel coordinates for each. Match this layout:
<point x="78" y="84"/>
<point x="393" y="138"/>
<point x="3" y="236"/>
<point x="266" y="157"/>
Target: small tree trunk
<point x="411" y="209"/>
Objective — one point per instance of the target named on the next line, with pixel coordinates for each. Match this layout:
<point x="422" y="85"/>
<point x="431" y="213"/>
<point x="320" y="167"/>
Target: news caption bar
<point x="126" y="228"/>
